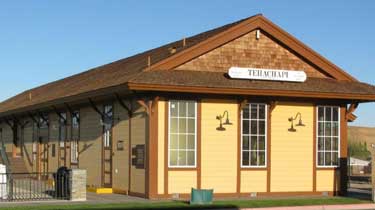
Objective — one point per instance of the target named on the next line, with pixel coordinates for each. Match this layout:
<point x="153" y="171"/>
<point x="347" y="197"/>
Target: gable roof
<point x="125" y="73"/>
<point x="246" y="26"/>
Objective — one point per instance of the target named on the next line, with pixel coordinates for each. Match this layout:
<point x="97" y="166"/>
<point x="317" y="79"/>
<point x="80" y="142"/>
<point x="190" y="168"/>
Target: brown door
<point x="107" y="157"/>
<point x="74" y="142"/>
<point x="43" y="155"/>
<point x="107" y="147"/>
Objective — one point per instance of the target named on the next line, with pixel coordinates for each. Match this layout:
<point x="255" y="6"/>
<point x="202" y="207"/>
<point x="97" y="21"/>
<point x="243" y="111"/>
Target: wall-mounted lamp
<point x="220" y="118"/>
<point x="291" y="120"/>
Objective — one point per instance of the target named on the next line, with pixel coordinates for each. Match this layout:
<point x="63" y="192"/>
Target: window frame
<point x="74" y="156"/>
<point x="108" y="131"/>
<point x="63" y="128"/>
<point x="265" y="138"/>
<point x="317" y="137"/>
<point x="195" y="136"/>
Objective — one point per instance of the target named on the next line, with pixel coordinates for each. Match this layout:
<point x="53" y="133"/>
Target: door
<point x="107" y="146"/>
<point x="74" y="142"/>
<point x="62" y="140"/>
<point x="43" y="156"/>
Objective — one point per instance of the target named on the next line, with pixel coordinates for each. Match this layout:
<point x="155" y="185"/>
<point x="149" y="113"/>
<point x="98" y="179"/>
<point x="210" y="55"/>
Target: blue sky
<point x="41" y="41"/>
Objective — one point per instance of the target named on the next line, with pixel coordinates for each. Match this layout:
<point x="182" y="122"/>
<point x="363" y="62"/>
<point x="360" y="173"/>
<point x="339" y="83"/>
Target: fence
<point x="34" y="186"/>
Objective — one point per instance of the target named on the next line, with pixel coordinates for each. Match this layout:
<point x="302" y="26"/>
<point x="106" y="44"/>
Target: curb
<point x="320" y="207"/>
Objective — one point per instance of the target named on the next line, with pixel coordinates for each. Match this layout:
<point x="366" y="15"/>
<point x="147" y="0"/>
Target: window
<point x="328" y="137"/>
<point x="254" y="135"/>
<point x="43" y="121"/>
<point x="107" y="124"/>
<point x="62" y="129"/>
<point x="75" y="137"/>
<point x="182" y="133"/>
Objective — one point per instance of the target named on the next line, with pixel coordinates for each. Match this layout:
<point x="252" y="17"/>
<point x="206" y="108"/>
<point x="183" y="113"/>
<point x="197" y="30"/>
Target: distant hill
<point x="359" y="138"/>
<point x="361" y="134"/>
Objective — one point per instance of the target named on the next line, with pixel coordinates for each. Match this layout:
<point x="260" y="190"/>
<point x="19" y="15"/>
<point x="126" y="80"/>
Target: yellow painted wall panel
<point x="291" y="152"/>
<point x="219" y="148"/>
<point x="325" y="180"/>
<point x="120" y="157"/>
<point x="90" y="146"/>
<point x="181" y="181"/>
<point x="253" y="181"/>
<point x="161" y="138"/>
<point x="139" y="134"/>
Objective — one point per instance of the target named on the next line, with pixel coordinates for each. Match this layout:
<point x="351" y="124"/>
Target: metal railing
<point x="34" y="186"/>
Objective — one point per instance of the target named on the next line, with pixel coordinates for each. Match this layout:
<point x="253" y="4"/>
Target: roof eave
<point x="238" y="91"/>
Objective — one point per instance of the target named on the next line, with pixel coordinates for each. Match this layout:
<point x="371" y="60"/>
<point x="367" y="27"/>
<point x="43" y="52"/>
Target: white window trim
<point x="195" y="136"/>
<point x="317" y="137"/>
<point x="265" y="138"/>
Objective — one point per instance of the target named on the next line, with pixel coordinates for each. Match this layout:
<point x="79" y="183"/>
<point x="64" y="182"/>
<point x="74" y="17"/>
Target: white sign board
<point x="267" y="74"/>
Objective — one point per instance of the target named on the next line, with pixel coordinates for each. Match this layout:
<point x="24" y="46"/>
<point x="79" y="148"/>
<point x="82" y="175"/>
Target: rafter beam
<point x="350" y="117"/>
<point x="128" y="108"/>
<point x="96" y="109"/>
<point x="60" y="115"/>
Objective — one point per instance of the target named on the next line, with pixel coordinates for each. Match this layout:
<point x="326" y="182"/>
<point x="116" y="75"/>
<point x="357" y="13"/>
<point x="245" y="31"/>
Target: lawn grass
<point x="222" y="204"/>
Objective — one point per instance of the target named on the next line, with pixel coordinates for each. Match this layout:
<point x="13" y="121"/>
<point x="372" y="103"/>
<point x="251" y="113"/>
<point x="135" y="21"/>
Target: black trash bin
<point x="62" y="187"/>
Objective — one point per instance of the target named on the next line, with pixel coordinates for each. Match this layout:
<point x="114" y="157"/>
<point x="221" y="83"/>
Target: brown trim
<point x="243" y="28"/>
<point x="199" y="144"/>
<point x="152" y="148"/>
<point x="130" y="115"/>
<point x="254" y="92"/>
<point x="183" y="169"/>
<point x="166" y="130"/>
<point x="314" y="148"/>
<point x="254" y="169"/>
<point x="326" y="168"/>
<point x="343" y="150"/>
<point x="269" y="112"/>
<point x="241" y="104"/>
<point x="137" y="194"/>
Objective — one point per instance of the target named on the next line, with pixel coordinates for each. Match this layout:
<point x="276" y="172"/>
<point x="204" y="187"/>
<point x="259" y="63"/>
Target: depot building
<point x="244" y="109"/>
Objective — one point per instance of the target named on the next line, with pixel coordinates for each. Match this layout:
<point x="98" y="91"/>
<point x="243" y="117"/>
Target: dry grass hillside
<point x="361" y="134"/>
<point x="360" y="141"/>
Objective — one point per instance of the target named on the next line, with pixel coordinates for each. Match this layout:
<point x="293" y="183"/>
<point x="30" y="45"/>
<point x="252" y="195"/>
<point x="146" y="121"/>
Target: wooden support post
<point x="151" y="108"/>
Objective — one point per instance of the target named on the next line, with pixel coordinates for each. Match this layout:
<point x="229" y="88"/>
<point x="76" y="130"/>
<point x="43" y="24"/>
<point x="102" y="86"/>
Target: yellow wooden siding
<point x="161" y="139"/>
<point x="181" y="181"/>
<point x="90" y="146"/>
<point x="121" y="157"/>
<point x="325" y="180"/>
<point x="253" y="181"/>
<point x="291" y="152"/>
<point x="139" y="133"/>
<point x="219" y="148"/>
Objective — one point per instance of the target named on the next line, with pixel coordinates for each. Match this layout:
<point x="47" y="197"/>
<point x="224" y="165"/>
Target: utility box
<point x="62" y="185"/>
<point x="201" y="197"/>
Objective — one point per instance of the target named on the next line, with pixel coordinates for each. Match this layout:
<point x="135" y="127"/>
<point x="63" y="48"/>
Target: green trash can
<point x="201" y="197"/>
